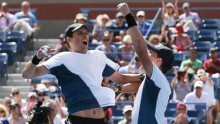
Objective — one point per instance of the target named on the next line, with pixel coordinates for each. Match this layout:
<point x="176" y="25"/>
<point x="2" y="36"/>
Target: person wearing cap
<point x="199" y="96"/>
<point x="189" y="18"/>
<point x="180" y="41"/>
<point x="142" y="24"/>
<point x="212" y="65"/>
<point x="32" y="101"/>
<point x="126" y="51"/>
<point x="80" y="18"/>
<point x="134" y="68"/>
<point x="103" y="24"/>
<point x="208" y="87"/>
<point x="154" y="92"/>
<point x="109" y="49"/>
<point x="80" y="73"/>
<point x="169" y="13"/>
<point x="181" y="117"/>
<point x="180" y="84"/>
<point x="118" y="26"/>
<point x="127" y="110"/>
<point x="192" y="64"/>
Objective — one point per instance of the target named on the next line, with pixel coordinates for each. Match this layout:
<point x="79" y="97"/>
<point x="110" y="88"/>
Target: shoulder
<point x="182" y="15"/>
<point x="19" y="14"/>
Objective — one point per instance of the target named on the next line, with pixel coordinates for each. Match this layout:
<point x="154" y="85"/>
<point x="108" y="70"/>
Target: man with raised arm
<point x="154" y="92"/>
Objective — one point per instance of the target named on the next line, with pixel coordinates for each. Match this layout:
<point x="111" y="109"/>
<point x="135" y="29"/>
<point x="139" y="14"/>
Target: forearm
<point x="129" y="78"/>
<point x="130" y="88"/>
<point x="29" y="70"/>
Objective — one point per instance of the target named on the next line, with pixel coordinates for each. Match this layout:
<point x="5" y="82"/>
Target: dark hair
<point x="165" y="68"/>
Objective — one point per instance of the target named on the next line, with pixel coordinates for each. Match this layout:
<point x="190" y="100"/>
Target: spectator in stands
<point x="181" y="117"/>
<point x="126" y="51"/>
<point x="191" y="20"/>
<point x="16" y="96"/>
<point x="180" y="84"/>
<point x="42" y="91"/>
<point x="16" y="116"/>
<point x="192" y="64"/>
<point x="154" y="39"/>
<point x="110" y="50"/>
<point x="103" y="24"/>
<point x="199" y="96"/>
<point x="180" y="41"/>
<point x="80" y="18"/>
<point x="142" y="24"/>
<point x="3" y="114"/>
<point x="169" y="13"/>
<point x="165" y="37"/>
<point x="208" y="87"/>
<point x="63" y="45"/>
<point x="212" y="65"/>
<point x="127" y="110"/>
<point x="26" y="20"/>
<point x="7" y="103"/>
<point x="120" y="25"/>
<point x="53" y="116"/>
<point x="6" y="19"/>
<point x="134" y="68"/>
<point x="32" y="101"/>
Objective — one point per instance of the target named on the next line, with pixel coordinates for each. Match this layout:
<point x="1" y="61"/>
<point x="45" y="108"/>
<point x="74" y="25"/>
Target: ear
<point x="159" y="61"/>
<point x="68" y="39"/>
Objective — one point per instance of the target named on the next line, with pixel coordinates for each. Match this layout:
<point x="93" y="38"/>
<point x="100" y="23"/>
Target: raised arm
<point x="138" y="40"/>
<point x="32" y="69"/>
<point x="176" y="11"/>
<point x="163" y="9"/>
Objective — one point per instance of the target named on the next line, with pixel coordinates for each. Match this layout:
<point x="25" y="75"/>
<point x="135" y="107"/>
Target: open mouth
<point x="85" y="43"/>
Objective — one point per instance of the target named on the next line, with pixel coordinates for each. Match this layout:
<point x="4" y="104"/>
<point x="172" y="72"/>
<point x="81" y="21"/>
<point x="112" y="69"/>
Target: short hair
<point x="25" y="3"/>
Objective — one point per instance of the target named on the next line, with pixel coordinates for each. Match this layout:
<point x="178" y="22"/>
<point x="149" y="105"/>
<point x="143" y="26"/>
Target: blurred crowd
<point x="192" y="78"/>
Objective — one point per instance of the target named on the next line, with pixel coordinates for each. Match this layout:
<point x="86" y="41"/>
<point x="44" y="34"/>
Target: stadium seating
<point x="206" y="35"/>
<point x="18" y="37"/>
<point x="210" y="24"/>
<point x="11" y="49"/>
<point x="3" y="64"/>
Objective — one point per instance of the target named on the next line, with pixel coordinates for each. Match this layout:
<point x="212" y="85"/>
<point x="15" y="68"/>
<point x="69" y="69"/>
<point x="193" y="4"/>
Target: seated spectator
<point x="208" y="87"/>
<point x="119" y="25"/>
<point x="192" y="64"/>
<point x="16" y="116"/>
<point x="31" y="102"/>
<point x="6" y="19"/>
<point x="180" y="84"/>
<point x="110" y="50"/>
<point x="181" y="117"/>
<point x="103" y="24"/>
<point x="127" y="110"/>
<point x="16" y="97"/>
<point x="134" y="68"/>
<point x="169" y="13"/>
<point x="126" y="51"/>
<point x="191" y="20"/>
<point x="42" y="92"/>
<point x="142" y="24"/>
<point x="53" y="116"/>
<point x="7" y="103"/>
<point x="3" y="115"/>
<point x="63" y="45"/>
<point x="154" y="39"/>
<point x="180" y="41"/>
<point x="212" y="65"/>
<point x="199" y="96"/>
<point x="26" y="20"/>
<point x="165" y="37"/>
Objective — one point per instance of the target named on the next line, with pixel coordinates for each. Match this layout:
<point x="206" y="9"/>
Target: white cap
<point x="186" y="5"/>
<point x="127" y="39"/>
<point x="80" y="16"/>
<point x="170" y="5"/>
<point x="127" y="108"/>
<point x="201" y="72"/>
<point x="198" y="84"/>
<point x="30" y="94"/>
<point x="140" y="13"/>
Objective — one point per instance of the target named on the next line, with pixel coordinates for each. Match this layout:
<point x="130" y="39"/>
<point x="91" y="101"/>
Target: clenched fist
<point x="44" y="51"/>
<point x="123" y="7"/>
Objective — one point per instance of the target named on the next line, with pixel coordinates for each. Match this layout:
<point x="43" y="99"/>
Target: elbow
<point x="25" y="75"/>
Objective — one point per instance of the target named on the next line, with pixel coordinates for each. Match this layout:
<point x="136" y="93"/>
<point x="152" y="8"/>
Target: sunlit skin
<point x="141" y="19"/>
<point x="198" y="91"/>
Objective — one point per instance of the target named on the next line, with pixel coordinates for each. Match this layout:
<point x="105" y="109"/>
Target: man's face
<point x="128" y="115"/>
<point x="214" y="54"/>
<point x="193" y="54"/>
<point x="25" y="7"/>
<point x="198" y="91"/>
<point x="186" y="9"/>
<point x="154" y="58"/>
<point x="141" y="19"/>
<point x="181" y="109"/>
<point x="79" y="40"/>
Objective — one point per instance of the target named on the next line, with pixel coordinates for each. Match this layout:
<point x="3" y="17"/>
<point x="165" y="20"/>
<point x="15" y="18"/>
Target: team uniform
<point x="152" y="99"/>
<point x="80" y="76"/>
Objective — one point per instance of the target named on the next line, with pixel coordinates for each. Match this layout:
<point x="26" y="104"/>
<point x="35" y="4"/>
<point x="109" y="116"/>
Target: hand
<point x="182" y="117"/>
<point x="210" y="64"/>
<point x="176" y="3"/>
<point x="189" y="65"/>
<point x="175" y="72"/>
<point x="123" y="7"/>
<point x="44" y="51"/>
<point x="163" y="3"/>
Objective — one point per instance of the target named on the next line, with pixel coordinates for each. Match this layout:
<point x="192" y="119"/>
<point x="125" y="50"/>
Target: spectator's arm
<point x="176" y="11"/>
<point x="163" y="9"/>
